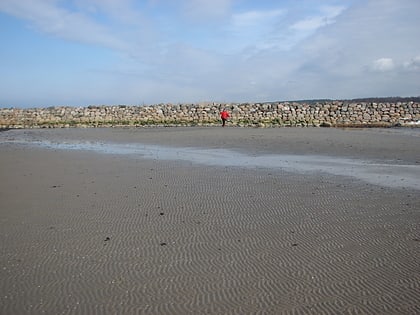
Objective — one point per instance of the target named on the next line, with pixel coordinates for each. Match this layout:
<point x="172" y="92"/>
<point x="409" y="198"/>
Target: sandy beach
<point x="210" y="221"/>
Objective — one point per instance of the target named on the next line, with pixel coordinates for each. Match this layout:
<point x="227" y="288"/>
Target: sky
<point x="112" y="52"/>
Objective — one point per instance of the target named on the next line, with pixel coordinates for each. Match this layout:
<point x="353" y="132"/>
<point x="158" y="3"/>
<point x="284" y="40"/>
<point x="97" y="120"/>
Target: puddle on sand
<point x="384" y="174"/>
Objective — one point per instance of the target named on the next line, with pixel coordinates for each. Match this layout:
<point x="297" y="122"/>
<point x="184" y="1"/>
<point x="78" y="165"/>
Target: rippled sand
<point x="84" y="232"/>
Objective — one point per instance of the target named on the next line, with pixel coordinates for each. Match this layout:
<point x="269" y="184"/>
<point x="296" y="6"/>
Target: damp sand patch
<point x="383" y="173"/>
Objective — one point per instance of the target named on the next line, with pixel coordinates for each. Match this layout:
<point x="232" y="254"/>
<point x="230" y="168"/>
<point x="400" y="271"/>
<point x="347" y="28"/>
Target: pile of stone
<point x="269" y="114"/>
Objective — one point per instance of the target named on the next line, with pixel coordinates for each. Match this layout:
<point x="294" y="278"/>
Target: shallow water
<point x="383" y="173"/>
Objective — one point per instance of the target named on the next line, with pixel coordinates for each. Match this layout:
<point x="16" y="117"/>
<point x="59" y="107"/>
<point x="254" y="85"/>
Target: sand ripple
<point x="119" y="235"/>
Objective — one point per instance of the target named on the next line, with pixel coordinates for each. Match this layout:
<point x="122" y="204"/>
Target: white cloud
<point x="413" y="64"/>
<point x="327" y="16"/>
<point x="252" y="31"/>
<point x="309" y="24"/>
<point x="48" y="17"/>
<point x="383" y="65"/>
<point x="252" y="19"/>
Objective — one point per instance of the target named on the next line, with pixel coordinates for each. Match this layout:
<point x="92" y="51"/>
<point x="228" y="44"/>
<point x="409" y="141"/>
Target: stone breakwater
<point x="330" y="113"/>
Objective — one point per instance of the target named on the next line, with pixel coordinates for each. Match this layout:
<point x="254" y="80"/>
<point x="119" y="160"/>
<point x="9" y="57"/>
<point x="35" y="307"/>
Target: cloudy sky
<point x="86" y="52"/>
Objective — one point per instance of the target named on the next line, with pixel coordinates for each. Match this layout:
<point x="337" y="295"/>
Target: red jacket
<point x="224" y="115"/>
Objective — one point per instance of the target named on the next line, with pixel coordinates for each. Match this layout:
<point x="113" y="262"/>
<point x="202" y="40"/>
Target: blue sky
<point x="92" y="52"/>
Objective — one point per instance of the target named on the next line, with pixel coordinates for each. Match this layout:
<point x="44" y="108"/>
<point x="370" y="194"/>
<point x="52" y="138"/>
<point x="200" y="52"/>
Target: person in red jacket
<point x="224" y="115"/>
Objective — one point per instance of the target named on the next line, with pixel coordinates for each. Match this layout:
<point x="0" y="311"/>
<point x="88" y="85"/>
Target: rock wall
<point x="331" y="113"/>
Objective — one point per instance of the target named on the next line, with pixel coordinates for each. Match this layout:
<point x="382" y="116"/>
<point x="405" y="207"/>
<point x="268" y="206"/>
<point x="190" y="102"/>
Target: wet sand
<point x="86" y="232"/>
